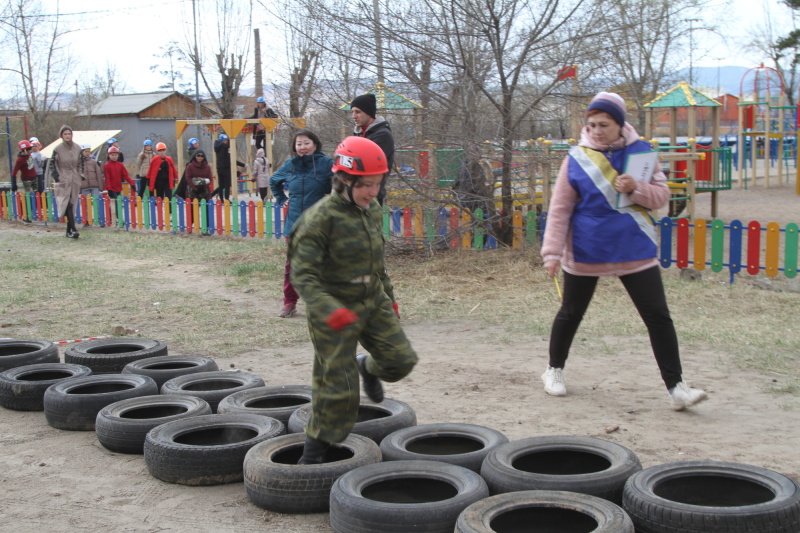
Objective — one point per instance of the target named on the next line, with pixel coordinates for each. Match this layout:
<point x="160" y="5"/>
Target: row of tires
<point x="103" y="356"/>
<point x="400" y="476"/>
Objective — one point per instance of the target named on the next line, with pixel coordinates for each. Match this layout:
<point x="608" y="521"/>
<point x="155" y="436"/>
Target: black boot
<point x="313" y="452"/>
<point x="370" y="383"/>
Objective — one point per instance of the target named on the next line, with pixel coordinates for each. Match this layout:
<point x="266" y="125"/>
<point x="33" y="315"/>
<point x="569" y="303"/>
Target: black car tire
<point x="165" y="367"/>
<point x="207" y="449"/>
<point x="22" y="388"/>
<point x="457" y="444"/>
<point x="375" y="420"/>
<point x="73" y="404"/>
<point x="402" y="496"/>
<point x="123" y="426"/>
<point x="109" y="356"/>
<point x="22" y="352"/>
<point x="712" y="497"/>
<point x="544" y="510"/>
<point x="274" y="481"/>
<point x="278" y="402"/>
<point x="212" y="386"/>
<point x="575" y="464"/>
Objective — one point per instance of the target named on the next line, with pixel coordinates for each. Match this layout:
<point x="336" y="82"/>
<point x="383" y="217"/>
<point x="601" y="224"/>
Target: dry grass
<point x="219" y="296"/>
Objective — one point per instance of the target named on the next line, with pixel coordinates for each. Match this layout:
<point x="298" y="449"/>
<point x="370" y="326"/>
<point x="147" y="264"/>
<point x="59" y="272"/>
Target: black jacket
<point x="380" y="133"/>
<point x="268" y="113"/>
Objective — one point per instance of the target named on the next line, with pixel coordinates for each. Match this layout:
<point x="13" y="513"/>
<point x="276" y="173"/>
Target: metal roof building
<point x="145" y="116"/>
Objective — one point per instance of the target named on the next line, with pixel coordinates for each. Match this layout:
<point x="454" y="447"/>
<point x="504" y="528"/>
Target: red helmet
<point x="24" y="145"/>
<point x="161" y="146"/>
<point x="360" y="157"/>
<point x="113" y="150"/>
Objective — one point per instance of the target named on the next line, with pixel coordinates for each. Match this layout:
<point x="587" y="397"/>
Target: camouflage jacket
<point x="336" y="254"/>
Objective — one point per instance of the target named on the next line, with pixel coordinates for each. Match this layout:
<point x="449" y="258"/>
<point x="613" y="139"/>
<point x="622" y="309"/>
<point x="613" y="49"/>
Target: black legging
<point x="70" y="214"/>
<point x="260" y="138"/>
<point x="162" y="188"/>
<point x="647" y="292"/>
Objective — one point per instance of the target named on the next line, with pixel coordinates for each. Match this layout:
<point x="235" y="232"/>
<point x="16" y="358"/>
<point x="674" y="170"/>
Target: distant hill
<point x="726" y="78"/>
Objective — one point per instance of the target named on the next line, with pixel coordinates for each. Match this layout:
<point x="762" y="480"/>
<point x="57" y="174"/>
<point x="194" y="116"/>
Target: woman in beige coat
<point x="66" y="169"/>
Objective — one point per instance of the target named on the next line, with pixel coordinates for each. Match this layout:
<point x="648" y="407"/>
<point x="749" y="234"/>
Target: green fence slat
<point x="790" y="262"/>
<point x="174" y="214"/>
<point x="530" y="227"/>
<point x="717" y="244"/>
<point x="479" y="231"/>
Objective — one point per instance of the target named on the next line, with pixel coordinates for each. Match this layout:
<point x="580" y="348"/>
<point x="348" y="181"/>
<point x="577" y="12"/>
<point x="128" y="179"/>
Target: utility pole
<point x="691" y="49"/>
<point x="376" y="9"/>
<point x="196" y="68"/>
<point x="259" y="82"/>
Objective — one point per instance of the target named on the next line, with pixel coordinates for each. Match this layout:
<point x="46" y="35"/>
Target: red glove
<point x="396" y="309"/>
<point x="341" y="318"/>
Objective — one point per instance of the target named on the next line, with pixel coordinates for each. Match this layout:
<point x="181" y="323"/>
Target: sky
<point x="128" y="34"/>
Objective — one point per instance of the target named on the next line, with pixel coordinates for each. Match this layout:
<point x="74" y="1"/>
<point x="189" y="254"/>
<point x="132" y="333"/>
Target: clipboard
<point x="641" y="166"/>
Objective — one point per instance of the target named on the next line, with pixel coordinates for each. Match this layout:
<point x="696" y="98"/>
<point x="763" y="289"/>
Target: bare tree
<point x="645" y="40"/>
<point x="172" y="69"/>
<point x="40" y="61"/>
<point x="221" y="58"/>
<point x="782" y="50"/>
<point x="97" y="87"/>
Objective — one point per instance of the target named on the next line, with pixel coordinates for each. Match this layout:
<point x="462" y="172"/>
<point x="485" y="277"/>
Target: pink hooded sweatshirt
<point x="558" y="232"/>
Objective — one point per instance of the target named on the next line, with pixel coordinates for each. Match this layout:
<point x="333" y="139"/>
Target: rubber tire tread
<point x="653" y="514"/>
<point x="196" y="465"/>
<point x="120" y="434"/>
<point x="399" y="415"/>
<point x="143" y="367"/>
<point x="178" y="385"/>
<point x="291" y="488"/>
<point x="237" y="402"/>
<point x="43" y="352"/>
<point x="478" y="517"/>
<point x="79" y="354"/>
<point x="394" y="447"/>
<point x="351" y="512"/>
<point x="28" y="395"/>
<point x="78" y="412"/>
<point x="608" y="484"/>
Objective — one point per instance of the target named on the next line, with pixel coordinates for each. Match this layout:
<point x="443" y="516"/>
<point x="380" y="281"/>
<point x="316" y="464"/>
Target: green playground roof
<point x="683" y="95"/>
<point x="389" y="99"/>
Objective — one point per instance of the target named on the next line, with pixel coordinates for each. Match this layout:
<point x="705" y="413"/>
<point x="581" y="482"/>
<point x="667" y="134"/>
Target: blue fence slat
<point x="735" y="252"/>
<point x="666" y="242"/>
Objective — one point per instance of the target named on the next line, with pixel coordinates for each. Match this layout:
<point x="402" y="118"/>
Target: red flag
<point x="570" y="71"/>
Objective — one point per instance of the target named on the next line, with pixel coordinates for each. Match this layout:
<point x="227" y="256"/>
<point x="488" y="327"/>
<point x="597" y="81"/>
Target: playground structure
<point x="692" y="169"/>
<point x="233" y="128"/>
<point x="765" y="125"/>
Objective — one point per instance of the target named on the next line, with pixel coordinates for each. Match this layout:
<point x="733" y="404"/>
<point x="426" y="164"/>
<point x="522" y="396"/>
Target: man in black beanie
<point x="374" y="128"/>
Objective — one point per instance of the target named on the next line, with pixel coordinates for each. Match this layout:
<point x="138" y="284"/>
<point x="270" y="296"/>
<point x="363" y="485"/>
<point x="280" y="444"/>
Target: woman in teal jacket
<point x="307" y="176"/>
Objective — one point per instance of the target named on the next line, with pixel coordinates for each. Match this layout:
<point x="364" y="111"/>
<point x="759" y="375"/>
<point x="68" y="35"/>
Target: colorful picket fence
<point x="743" y="244"/>
<point x="423" y="227"/>
<point x="419" y="227"/>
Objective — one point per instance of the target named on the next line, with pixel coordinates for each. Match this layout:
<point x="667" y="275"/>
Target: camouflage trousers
<point x="335" y="381"/>
<point x="29" y="185"/>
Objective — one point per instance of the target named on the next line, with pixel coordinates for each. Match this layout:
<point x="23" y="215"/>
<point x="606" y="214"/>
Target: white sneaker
<point x="682" y="396"/>
<point x="554" y="381"/>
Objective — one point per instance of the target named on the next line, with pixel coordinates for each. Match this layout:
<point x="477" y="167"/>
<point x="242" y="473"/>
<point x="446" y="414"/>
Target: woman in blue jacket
<point x="307" y="176"/>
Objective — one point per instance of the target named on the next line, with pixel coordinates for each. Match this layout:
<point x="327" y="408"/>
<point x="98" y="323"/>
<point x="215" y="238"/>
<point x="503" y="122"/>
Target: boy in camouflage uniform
<point x="336" y="251"/>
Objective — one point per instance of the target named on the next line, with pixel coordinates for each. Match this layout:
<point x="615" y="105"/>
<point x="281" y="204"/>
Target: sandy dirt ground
<point x="59" y="481"/>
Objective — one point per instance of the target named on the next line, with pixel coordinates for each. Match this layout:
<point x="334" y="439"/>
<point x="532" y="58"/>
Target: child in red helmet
<point x="162" y="174"/>
<point x="115" y="173"/>
<point x="337" y="256"/>
<point x="27" y="171"/>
